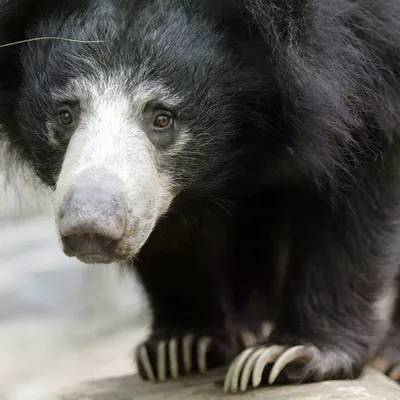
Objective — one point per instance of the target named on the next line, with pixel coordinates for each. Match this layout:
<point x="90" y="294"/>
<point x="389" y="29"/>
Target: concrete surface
<point x="373" y="386"/>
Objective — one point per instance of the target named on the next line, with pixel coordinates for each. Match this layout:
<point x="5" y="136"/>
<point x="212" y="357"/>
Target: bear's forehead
<point x="126" y="63"/>
<point x="105" y="71"/>
<point x="141" y="37"/>
<point x="105" y="90"/>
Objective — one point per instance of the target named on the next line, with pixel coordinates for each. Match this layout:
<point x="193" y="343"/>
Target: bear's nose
<point x="92" y="220"/>
<point x="92" y="211"/>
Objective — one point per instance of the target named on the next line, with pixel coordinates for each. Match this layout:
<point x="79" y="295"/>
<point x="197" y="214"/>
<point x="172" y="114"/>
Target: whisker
<point x="51" y="38"/>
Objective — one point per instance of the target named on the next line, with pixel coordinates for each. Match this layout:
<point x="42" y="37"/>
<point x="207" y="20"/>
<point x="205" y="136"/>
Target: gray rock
<point x="372" y="386"/>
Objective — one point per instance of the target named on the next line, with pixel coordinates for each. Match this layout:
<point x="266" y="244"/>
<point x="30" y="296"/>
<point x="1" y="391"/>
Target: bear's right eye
<point x="65" y="118"/>
<point x="162" y="120"/>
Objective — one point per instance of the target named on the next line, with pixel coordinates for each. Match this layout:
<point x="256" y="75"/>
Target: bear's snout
<point x="92" y="218"/>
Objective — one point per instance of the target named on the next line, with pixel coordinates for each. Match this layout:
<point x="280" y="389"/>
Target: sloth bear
<point x="241" y="157"/>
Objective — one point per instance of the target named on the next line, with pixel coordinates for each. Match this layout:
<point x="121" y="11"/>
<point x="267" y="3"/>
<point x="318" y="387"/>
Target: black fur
<point x="302" y="99"/>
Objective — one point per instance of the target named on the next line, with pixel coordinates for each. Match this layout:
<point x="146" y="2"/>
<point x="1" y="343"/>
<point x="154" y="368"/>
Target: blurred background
<point x="61" y="321"/>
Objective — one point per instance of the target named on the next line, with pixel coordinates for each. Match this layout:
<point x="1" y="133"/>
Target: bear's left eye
<point x="65" y="118"/>
<point x="163" y="120"/>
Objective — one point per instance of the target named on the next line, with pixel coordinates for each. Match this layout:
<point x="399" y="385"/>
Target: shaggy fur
<point x="284" y="168"/>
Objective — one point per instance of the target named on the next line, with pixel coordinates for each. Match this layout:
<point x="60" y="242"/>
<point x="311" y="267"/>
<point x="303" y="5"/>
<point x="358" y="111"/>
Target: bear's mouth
<point x="90" y="248"/>
<point x="93" y="258"/>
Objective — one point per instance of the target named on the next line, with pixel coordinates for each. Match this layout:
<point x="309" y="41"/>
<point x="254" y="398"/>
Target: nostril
<point x="112" y="230"/>
<point x="102" y="226"/>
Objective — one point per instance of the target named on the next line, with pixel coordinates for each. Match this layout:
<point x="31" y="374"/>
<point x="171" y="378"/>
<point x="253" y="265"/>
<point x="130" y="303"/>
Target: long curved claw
<point x="248" y="369"/>
<point x="144" y="360"/>
<point x="162" y="361"/>
<point x="203" y="345"/>
<point x="301" y="354"/>
<point x="270" y="355"/>
<point x="266" y="330"/>
<point x="381" y="364"/>
<point x="395" y="373"/>
<point x="173" y="358"/>
<point x="187" y="346"/>
<point x="249" y="339"/>
<point x="232" y="377"/>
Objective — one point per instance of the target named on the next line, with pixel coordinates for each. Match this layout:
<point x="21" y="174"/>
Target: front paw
<point x="161" y="358"/>
<point x="266" y="364"/>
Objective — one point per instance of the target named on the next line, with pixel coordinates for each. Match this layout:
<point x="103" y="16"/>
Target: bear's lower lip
<point x="89" y="258"/>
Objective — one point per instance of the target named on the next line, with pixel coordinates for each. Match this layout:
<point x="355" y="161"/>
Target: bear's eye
<point x="65" y="118"/>
<point x="163" y="120"/>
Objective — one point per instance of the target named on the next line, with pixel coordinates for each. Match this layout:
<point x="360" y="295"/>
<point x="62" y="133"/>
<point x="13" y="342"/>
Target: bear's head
<point x="139" y="104"/>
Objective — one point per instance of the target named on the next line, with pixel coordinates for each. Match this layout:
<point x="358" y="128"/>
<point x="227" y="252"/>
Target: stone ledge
<point x="372" y="386"/>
